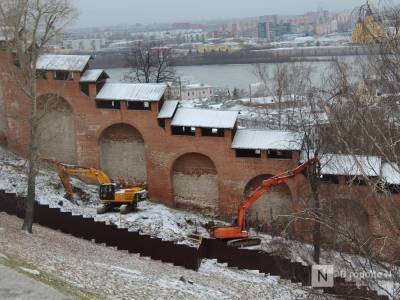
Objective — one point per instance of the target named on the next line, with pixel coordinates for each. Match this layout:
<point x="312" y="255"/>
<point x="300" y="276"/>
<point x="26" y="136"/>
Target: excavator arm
<point x="65" y="172"/>
<point x="239" y="232"/>
<point x="266" y="186"/>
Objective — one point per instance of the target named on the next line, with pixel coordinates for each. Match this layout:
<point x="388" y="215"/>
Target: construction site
<point x="195" y="160"/>
<point x="128" y="191"/>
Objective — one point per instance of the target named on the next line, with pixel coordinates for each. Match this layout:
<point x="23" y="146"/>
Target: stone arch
<point x="122" y="154"/>
<point x="270" y="210"/>
<point x="195" y="183"/>
<point x="346" y="215"/>
<point x="56" y="129"/>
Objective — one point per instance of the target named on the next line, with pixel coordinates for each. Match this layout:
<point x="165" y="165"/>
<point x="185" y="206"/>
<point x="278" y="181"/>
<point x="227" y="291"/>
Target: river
<point x="229" y="76"/>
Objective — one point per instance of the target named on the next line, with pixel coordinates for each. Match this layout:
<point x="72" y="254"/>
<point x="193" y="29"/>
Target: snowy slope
<point x="160" y="221"/>
<point x="150" y="218"/>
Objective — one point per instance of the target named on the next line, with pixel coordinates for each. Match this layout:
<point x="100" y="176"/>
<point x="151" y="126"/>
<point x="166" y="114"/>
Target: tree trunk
<point x="30" y="200"/>
<point x="317" y="224"/>
<point x="32" y="164"/>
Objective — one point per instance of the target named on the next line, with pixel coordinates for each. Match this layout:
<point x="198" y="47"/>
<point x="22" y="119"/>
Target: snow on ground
<point x="351" y="267"/>
<point x="158" y="220"/>
<point x="150" y="218"/>
<point x="113" y="274"/>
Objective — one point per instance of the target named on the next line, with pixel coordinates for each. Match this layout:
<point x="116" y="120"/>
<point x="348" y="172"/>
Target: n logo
<point x="322" y="276"/>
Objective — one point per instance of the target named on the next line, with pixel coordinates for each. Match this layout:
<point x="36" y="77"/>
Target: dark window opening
<point x="248" y="153"/>
<point x="279" y="154"/>
<point x="215" y="132"/>
<point x="183" y="130"/>
<point x="41" y="75"/>
<point x="161" y="123"/>
<point x="108" y="104"/>
<point x="62" y="75"/>
<point x="136" y="105"/>
<point x="107" y="192"/>
<point x="355" y="180"/>
<point x="330" y="179"/>
<point x="85" y="88"/>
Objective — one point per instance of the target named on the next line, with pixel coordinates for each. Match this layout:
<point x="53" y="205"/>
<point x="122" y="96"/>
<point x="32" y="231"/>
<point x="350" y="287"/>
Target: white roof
<point x="54" y="62"/>
<point x="349" y="165"/>
<point x="132" y="91"/>
<point x="391" y="173"/>
<point x="205" y="118"/>
<point x="92" y="75"/>
<point x="168" y="109"/>
<point x="267" y="139"/>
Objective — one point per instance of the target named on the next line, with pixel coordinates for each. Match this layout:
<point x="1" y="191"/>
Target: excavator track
<point x="240" y="243"/>
<point x="102" y="209"/>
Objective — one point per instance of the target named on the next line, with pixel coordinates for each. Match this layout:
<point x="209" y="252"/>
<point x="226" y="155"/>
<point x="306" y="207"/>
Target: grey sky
<point x="111" y="12"/>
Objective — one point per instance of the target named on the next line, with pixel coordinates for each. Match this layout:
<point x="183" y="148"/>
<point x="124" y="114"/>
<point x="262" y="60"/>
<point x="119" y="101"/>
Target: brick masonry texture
<point x="193" y="172"/>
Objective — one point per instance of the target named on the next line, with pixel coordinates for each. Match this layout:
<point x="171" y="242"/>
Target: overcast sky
<point x="113" y="12"/>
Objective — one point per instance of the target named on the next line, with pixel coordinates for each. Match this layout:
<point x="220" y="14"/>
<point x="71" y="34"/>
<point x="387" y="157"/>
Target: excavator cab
<point x="107" y="191"/>
<point x="110" y="194"/>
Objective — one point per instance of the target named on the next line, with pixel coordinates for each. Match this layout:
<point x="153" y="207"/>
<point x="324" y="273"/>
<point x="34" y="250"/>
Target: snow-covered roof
<point x="55" y="62"/>
<point x="205" y="118"/>
<point x="132" y="91"/>
<point x="391" y="173"/>
<point x="267" y="139"/>
<point x="349" y="165"/>
<point x="93" y="75"/>
<point x="168" y="109"/>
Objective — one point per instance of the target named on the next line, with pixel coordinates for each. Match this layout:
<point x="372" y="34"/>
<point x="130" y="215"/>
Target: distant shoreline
<point x="105" y="63"/>
<point x="117" y="59"/>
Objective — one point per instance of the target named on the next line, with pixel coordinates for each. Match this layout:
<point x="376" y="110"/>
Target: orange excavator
<point x="236" y="235"/>
<point x="110" y="196"/>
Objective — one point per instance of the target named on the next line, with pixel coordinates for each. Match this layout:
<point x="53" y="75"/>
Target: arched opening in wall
<point x="122" y="154"/>
<point x="195" y="183"/>
<point x="56" y="130"/>
<point x="270" y="212"/>
<point x="345" y="220"/>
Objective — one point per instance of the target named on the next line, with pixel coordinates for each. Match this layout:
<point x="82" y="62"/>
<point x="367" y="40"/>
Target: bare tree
<point x="299" y="109"/>
<point x="284" y="84"/>
<point x="364" y="109"/>
<point x="29" y="26"/>
<point x="150" y="63"/>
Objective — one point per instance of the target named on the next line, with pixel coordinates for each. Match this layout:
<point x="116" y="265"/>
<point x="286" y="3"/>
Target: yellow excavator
<point x="111" y="196"/>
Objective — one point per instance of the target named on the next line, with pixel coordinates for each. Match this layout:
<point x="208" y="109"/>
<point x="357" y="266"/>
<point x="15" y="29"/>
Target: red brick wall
<point x="159" y="158"/>
<point x="161" y="149"/>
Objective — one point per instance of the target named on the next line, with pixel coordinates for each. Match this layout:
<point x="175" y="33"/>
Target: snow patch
<point x="30" y="271"/>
